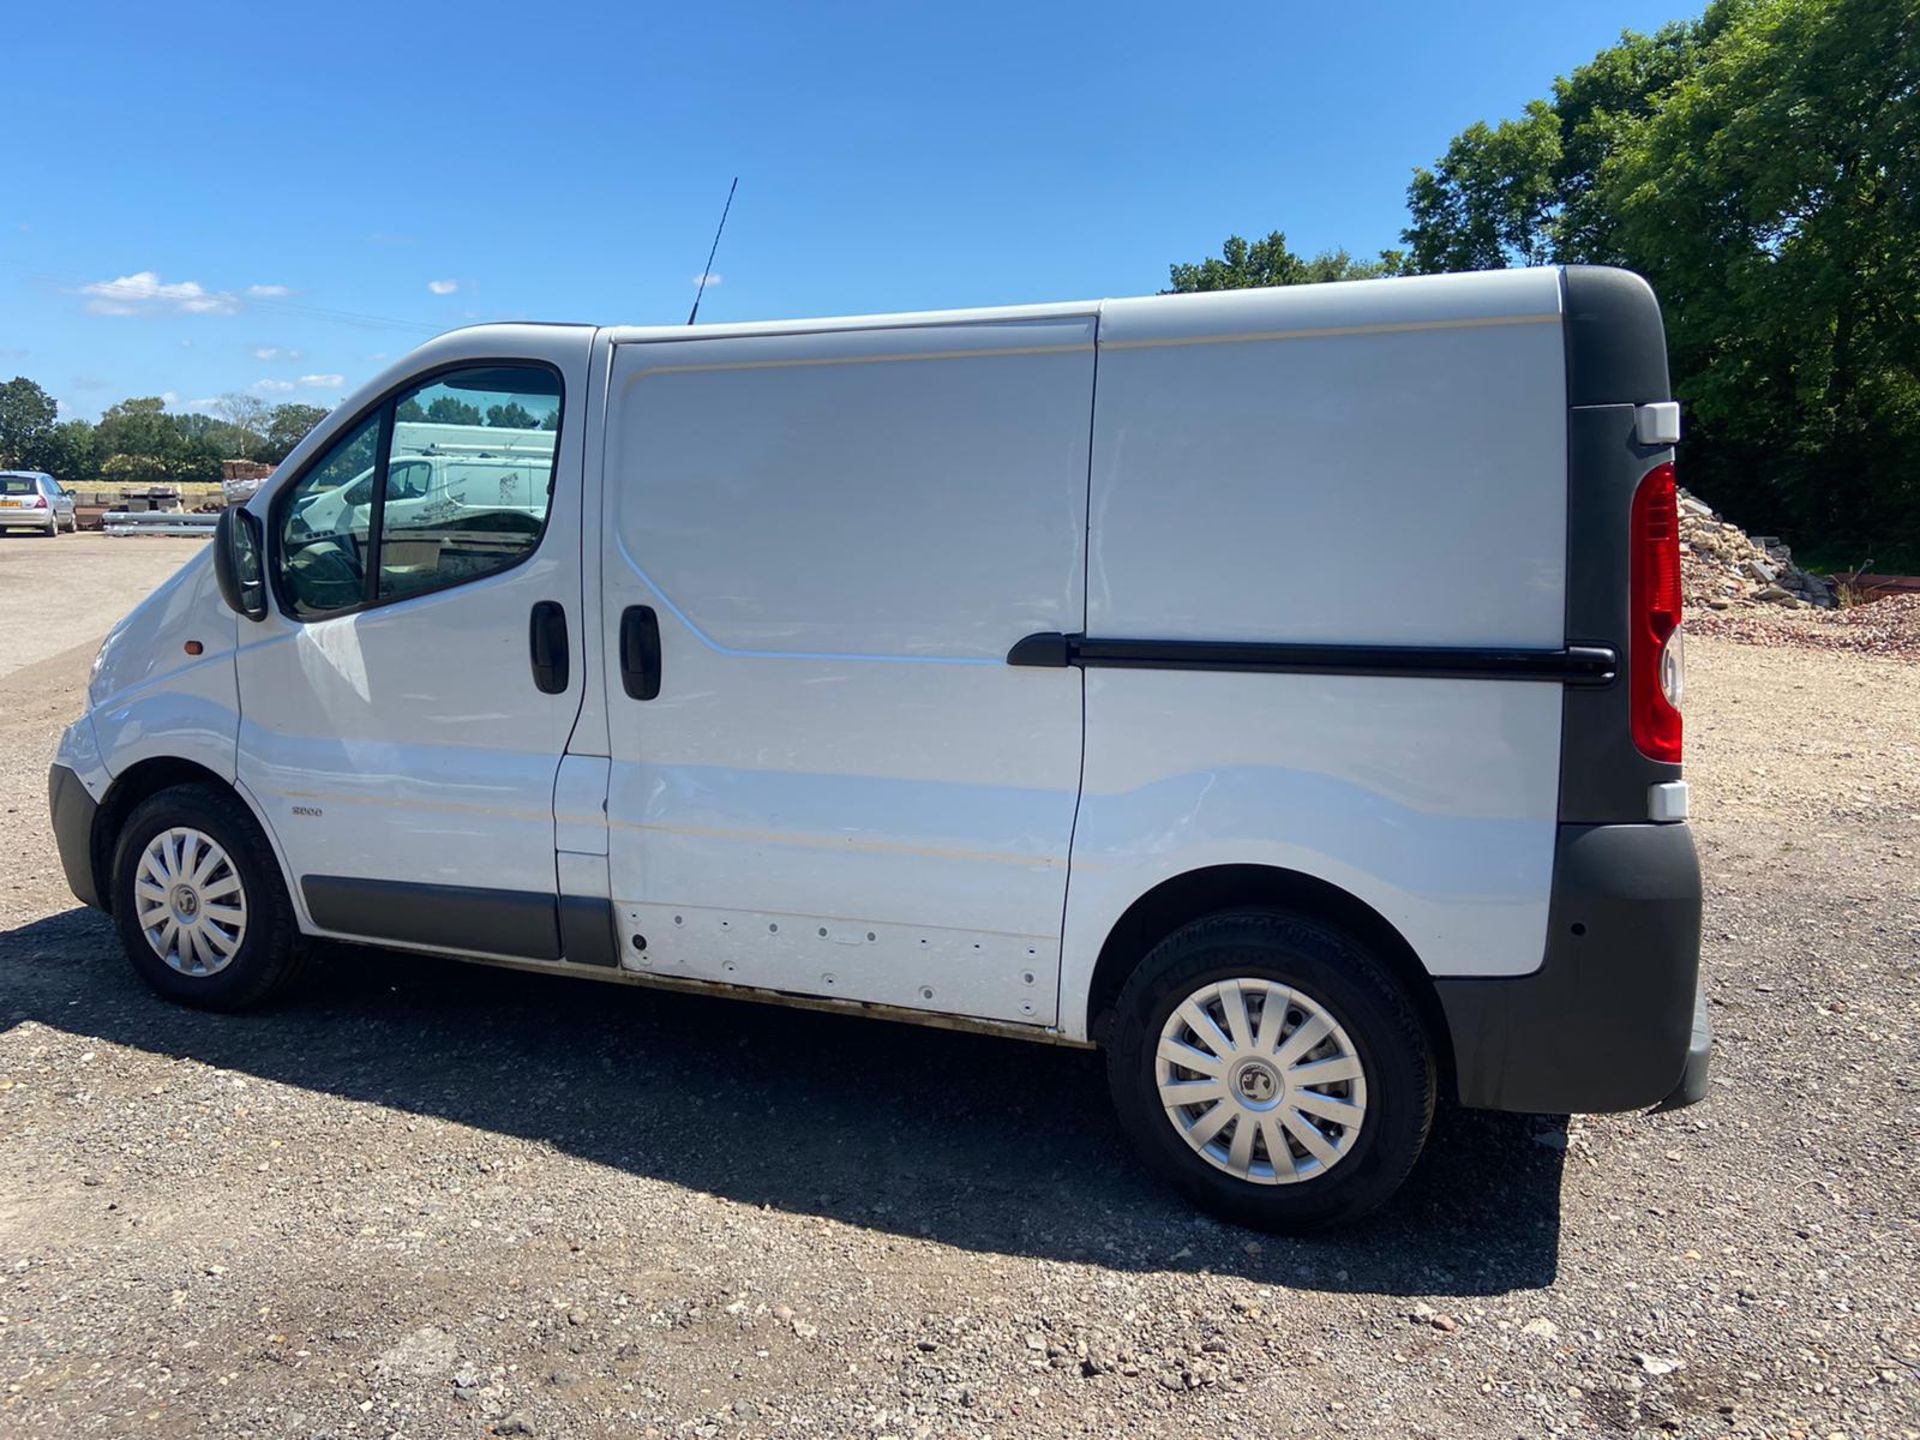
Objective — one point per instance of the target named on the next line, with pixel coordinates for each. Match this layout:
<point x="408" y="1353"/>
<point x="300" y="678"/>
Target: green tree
<point x="1247" y="265"/>
<point x="445" y="410"/>
<point x="410" y="412"/>
<point x="1773" y="199"/>
<point x="512" y="416"/>
<point x="69" y="452"/>
<point x="1489" y="201"/>
<point x="27" y="418"/>
<point x="1522" y="192"/>
<point x="287" y="426"/>
<point x="138" y="427"/>
<point x="1761" y="166"/>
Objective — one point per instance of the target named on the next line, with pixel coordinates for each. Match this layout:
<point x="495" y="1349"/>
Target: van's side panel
<point x="842" y="788"/>
<point x="1371" y="464"/>
<point x="1398" y="480"/>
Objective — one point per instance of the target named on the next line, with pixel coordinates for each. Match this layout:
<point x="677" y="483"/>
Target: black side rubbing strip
<point x="441" y="917"/>
<point x="588" y="935"/>
<point x="1574" y="665"/>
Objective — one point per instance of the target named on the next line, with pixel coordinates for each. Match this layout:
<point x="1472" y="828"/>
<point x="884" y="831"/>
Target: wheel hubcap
<point x="190" y="902"/>
<point x="1261" y="1081"/>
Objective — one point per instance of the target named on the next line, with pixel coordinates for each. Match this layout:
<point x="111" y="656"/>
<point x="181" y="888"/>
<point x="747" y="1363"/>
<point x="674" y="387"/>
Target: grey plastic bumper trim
<point x="1608" y="1020"/>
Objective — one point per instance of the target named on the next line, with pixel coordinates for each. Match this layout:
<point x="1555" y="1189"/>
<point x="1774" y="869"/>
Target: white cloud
<point x="144" y="292"/>
<point x="443" y="287"/>
<point x="274" y="352"/>
<point x="273" y="387"/>
<point x="712" y="277"/>
<point x="268" y="292"/>
<point x="323" y="382"/>
<point x="169" y="397"/>
<point x="206" y="404"/>
<point x="376" y="357"/>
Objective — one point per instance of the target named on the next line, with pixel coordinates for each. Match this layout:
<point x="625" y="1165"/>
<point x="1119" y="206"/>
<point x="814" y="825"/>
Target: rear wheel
<point x="201" y="907"/>
<point x="1271" y="1068"/>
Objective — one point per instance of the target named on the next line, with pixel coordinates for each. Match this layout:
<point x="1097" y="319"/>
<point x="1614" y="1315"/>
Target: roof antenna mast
<point x="707" y="272"/>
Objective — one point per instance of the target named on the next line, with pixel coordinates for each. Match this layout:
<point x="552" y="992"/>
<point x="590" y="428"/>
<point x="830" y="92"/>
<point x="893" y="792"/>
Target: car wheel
<point x="201" y="908"/>
<point x="1272" y="1069"/>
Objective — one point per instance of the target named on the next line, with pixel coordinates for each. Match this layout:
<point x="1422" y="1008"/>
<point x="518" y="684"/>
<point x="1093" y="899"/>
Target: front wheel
<point x="201" y="908"/>
<point x="1270" y="1067"/>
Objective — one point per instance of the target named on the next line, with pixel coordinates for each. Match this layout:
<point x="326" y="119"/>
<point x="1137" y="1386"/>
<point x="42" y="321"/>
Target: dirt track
<point x="424" y="1199"/>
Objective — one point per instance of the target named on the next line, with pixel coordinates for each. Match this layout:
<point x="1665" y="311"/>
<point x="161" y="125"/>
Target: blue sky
<point x="287" y="196"/>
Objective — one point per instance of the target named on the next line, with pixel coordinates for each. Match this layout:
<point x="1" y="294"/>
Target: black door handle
<point x="640" y="652"/>
<point x="547" y="644"/>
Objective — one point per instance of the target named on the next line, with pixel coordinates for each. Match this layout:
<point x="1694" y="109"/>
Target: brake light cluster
<point x="38" y="502"/>
<point x="1656" y="666"/>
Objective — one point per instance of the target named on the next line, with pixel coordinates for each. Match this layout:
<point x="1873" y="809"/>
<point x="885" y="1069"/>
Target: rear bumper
<point x="73" y="810"/>
<point x="1614" y="1018"/>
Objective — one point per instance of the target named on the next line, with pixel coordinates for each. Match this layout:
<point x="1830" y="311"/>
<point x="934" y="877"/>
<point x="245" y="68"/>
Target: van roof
<point x="1413" y="302"/>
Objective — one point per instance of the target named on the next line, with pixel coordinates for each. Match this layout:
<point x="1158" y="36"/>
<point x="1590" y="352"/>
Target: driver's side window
<point x="326" y="525"/>
<point x="443" y="484"/>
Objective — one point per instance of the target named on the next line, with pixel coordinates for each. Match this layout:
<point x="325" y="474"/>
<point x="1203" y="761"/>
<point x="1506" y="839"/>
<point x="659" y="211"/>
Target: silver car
<point x="31" y="499"/>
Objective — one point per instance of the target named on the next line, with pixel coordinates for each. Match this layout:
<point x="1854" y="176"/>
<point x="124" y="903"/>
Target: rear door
<point x="818" y="550"/>
<point x="393" y="725"/>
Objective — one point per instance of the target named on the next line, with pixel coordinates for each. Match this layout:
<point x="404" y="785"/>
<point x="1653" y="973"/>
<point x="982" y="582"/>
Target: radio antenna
<point x="707" y="272"/>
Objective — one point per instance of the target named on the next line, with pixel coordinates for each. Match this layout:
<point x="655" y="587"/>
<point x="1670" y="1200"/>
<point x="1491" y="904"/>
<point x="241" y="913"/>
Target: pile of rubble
<point x="1723" y="568"/>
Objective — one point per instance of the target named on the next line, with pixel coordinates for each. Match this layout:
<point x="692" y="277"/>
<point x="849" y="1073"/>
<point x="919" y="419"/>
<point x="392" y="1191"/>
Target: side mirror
<point x="236" y="563"/>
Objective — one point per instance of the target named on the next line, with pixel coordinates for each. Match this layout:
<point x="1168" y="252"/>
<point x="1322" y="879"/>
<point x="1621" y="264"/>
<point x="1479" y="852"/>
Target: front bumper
<point x="1614" y="1018"/>
<point x="73" y="810"/>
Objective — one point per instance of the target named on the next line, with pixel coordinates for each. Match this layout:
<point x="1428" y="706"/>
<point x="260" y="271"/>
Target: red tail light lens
<point x="1654" y="666"/>
<point x="39" y="502"/>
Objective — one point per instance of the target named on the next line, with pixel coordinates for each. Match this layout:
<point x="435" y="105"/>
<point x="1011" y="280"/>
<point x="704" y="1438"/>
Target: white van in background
<point x="1277" y="688"/>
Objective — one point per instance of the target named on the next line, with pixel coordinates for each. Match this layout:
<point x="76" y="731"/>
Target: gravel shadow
<point x="985" y="1144"/>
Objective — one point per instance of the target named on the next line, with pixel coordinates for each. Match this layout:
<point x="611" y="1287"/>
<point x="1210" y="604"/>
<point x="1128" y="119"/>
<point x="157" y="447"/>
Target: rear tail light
<point x="39" y="502"/>
<point x="1655" y="664"/>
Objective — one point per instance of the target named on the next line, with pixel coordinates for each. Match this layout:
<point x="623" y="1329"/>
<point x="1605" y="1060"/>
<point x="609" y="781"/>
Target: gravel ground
<point x="1889" y="627"/>
<point x="420" y="1199"/>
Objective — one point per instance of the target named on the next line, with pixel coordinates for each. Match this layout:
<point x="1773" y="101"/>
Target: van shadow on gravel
<point x="981" y="1143"/>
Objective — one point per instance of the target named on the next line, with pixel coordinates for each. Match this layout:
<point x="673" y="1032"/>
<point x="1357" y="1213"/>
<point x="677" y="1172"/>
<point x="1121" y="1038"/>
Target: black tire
<point x="1354" y="988"/>
<point x="272" y="950"/>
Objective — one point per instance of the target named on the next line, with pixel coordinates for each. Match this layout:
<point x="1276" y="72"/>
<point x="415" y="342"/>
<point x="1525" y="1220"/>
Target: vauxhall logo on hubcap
<point x="1258" y="1084"/>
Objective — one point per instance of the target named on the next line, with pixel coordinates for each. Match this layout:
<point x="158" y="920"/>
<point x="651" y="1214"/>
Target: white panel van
<point x="1278" y="689"/>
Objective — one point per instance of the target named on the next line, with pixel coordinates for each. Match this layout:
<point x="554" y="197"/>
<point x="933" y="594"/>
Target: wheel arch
<point x="1187" y="897"/>
<point x="138" y="782"/>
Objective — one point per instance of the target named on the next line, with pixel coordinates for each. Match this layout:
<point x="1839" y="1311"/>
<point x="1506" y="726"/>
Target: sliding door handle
<point x="547" y="647"/>
<point x="640" y="652"/>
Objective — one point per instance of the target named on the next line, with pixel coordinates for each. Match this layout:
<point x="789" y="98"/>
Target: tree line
<point x="139" y="441"/>
<point x="1761" y="167"/>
